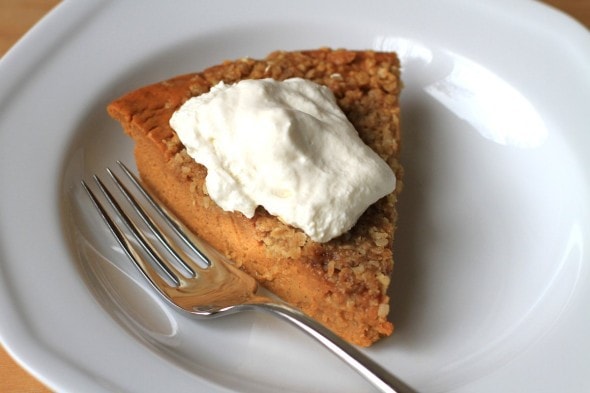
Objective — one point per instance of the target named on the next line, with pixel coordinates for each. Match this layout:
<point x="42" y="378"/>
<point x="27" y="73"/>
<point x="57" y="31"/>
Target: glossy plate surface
<point x="491" y="287"/>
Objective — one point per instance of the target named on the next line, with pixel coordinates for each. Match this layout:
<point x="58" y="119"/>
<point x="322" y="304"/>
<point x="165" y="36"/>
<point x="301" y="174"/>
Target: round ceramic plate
<point x="490" y="288"/>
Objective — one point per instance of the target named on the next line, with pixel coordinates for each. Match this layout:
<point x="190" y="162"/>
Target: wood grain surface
<point x="16" y="18"/>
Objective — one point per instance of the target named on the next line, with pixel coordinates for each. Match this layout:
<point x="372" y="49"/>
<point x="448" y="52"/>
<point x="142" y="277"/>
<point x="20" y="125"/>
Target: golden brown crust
<point x="342" y="283"/>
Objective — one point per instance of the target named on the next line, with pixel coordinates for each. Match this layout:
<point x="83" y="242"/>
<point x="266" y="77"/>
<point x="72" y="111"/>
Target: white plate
<point x="491" y="285"/>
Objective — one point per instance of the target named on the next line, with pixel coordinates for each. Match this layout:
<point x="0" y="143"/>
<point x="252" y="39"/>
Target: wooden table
<point x="18" y="16"/>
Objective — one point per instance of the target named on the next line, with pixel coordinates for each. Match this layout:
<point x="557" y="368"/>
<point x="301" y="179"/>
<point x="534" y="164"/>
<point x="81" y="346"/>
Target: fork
<point x="214" y="287"/>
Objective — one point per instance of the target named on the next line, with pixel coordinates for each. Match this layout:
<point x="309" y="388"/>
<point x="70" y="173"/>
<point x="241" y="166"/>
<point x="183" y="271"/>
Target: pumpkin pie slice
<point x="343" y="282"/>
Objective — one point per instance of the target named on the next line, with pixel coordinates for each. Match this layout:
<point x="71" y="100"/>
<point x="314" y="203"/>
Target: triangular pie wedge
<point x="342" y="283"/>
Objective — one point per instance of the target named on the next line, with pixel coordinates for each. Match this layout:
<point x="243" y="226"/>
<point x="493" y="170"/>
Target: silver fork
<point x="214" y="289"/>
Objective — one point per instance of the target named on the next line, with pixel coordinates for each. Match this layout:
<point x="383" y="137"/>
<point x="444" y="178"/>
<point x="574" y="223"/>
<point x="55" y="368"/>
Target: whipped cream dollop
<point x="286" y="146"/>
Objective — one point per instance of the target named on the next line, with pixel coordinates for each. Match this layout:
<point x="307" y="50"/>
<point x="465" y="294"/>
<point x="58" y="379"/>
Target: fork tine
<point x="145" y="268"/>
<point x="154" y="228"/>
<point x="129" y="248"/>
<point x="179" y="228"/>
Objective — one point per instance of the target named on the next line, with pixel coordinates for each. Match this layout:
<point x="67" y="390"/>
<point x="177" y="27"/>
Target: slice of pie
<point x="343" y="282"/>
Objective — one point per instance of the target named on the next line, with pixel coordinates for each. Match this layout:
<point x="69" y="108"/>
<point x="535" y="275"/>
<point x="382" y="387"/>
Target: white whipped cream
<point x="286" y="146"/>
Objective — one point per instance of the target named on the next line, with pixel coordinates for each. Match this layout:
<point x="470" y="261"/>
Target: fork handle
<point x="371" y="371"/>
